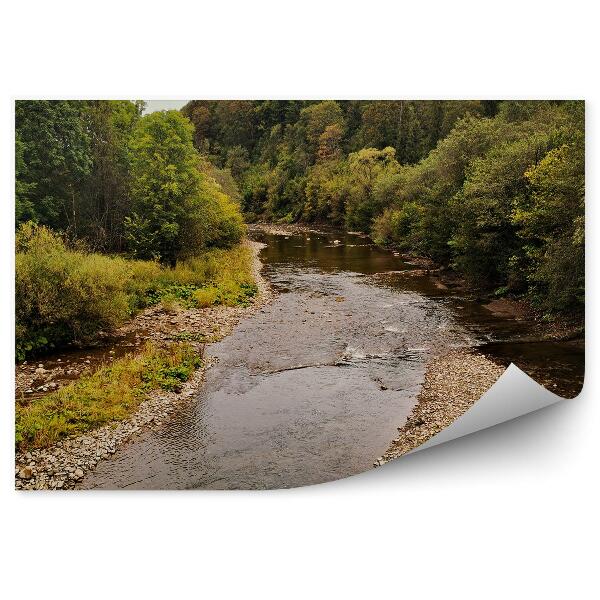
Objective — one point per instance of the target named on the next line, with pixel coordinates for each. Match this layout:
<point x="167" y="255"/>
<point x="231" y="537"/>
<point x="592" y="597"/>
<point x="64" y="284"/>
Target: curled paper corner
<point x="513" y="395"/>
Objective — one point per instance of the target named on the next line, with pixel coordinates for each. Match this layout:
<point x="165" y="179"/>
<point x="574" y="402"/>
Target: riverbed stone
<point x="63" y="465"/>
<point x="453" y="383"/>
<point x="26" y="473"/>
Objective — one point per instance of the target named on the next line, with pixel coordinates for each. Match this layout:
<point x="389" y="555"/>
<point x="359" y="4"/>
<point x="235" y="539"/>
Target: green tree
<point x="177" y="210"/>
<point x="104" y="201"/>
<point x="327" y="191"/>
<point x="485" y="244"/>
<point x="551" y="221"/>
<point x="364" y="167"/>
<point x="237" y="161"/>
<point x="53" y="160"/>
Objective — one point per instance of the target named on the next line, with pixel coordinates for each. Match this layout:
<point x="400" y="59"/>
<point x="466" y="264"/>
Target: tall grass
<point x="112" y="393"/>
<point x="65" y="294"/>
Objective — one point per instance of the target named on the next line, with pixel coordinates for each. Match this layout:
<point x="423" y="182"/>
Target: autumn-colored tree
<point x="315" y="119"/>
<point x="330" y="143"/>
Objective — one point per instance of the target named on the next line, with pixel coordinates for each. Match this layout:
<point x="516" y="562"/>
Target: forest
<point x="491" y="189"/>
<point x="116" y="209"/>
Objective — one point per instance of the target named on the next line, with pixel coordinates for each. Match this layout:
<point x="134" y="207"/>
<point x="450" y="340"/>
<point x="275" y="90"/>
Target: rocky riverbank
<point x="61" y="466"/>
<point x="453" y="383"/>
<point x="158" y="324"/>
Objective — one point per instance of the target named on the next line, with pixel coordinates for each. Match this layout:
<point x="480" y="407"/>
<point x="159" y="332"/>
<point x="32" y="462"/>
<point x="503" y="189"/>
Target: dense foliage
<point x="72" y="165"/>
<point x="95" y="178"/>
<point x="99" y="171"/>
<point x="493" y="189"/>
<point x="176" y="208"/>
<point x="65" y="294"/>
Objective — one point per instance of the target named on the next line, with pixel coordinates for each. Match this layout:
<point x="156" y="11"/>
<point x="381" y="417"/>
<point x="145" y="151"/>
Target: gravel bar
<point x="453" y="383"/>
<point x="62" y="465"/>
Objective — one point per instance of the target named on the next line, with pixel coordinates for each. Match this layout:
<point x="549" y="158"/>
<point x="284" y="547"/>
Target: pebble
<point x="63" y="465"/>
<point x="26" y="473"/>
<point x="453" y="383"/>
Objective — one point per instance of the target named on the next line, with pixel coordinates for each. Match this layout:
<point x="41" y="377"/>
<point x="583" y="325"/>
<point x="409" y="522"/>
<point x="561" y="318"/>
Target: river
<point x="313" y="387"/>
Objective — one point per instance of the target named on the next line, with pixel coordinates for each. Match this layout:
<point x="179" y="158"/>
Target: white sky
<point x="154" y="105"/>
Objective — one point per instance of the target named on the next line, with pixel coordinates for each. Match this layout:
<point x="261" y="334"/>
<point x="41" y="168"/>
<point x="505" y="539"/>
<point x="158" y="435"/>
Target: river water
<point x="313" y="387"/>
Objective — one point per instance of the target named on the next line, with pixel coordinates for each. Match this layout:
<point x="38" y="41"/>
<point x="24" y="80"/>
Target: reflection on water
<point x="557" y="365"/>
<point x="312" y="387"/>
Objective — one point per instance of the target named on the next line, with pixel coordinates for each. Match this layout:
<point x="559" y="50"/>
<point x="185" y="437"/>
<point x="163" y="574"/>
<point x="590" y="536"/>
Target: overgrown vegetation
<point x="97" y="185"/>
<point x="110" y="394"/>
<point x="99" y="171"/>
<point x="66" y="294"/>
<point x="493" y="189"/>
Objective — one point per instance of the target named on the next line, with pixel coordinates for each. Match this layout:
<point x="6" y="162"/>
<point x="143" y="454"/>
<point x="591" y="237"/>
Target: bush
<point x="68" y="295"/>
<point x="399" y="227"/>
<point x="206" y="296"/>
<point x="62" y="295"/>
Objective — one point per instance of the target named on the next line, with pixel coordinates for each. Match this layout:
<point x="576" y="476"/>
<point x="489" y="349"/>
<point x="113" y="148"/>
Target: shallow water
<point x="313" y="386"/>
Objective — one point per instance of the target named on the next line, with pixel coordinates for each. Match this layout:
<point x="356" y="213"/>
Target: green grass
<point x="66" y="295"/>
<point x="186" y="336"/>
<point x="112" y="393"/>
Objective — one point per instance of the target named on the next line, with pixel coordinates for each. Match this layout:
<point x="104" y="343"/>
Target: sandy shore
<point x="453" y="383"/>
<point x="61" y="466"/>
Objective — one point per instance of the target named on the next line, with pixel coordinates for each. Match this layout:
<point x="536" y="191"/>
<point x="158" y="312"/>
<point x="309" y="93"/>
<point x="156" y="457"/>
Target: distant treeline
<point x="494" y="189"/>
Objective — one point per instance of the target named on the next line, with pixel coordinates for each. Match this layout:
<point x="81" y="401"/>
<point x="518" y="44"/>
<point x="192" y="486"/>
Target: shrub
<point x="68" y="295"/>
<point x="399" y="227"/>
<point x="206" y="296"/>
<point x="62" y="295"/>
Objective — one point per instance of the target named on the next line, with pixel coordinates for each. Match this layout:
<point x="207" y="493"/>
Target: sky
<point x="154" y="105"/>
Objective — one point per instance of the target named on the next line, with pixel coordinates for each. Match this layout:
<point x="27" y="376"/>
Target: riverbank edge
<point x="64" y="464"/>
<point x="563" y="327"/>
<point x="453" y="383"/>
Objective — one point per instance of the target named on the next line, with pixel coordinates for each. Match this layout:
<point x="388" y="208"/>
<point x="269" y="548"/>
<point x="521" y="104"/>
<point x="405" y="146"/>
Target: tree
<point x="551" y="221"/>
<point x="104" y="201"/>
<point x="364" y="167"/>
<point x="313" y="121"/>
<point x="485" y="243"/>
<point x="176" y="209"/>
<point x="53" y="159"/>
<point x="326" y="192"/>
<point x="237" y="161"/>
<point x="330" y="143"/>
<point x="24" y="205"/>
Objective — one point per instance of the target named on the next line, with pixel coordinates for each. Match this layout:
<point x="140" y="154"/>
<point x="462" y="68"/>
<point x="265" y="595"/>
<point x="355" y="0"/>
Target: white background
<point x="507" y="513"/>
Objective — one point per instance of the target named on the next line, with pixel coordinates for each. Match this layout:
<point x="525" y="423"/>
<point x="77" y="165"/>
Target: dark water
<point x="69" y="364"/>
<point x="313" y="387"/>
